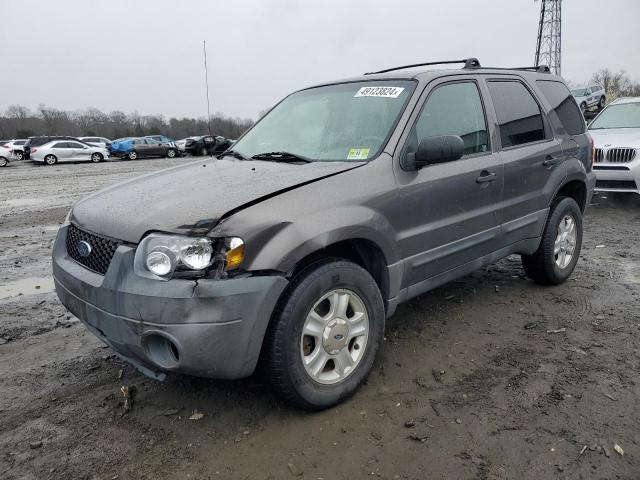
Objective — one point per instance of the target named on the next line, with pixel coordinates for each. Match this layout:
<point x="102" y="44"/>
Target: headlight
<point x="162" y="256"/>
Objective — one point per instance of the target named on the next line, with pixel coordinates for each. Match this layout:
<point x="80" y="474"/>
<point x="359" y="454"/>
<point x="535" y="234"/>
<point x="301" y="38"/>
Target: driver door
<point x="449" y="213"/>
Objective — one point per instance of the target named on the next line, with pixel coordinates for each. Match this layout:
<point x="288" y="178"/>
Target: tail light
<point x="592" y="149"/>
<point x="34" y="150"/>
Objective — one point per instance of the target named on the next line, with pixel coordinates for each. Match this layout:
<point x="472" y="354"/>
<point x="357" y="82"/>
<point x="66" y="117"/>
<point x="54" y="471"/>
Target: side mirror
<point x="440" y="149"/>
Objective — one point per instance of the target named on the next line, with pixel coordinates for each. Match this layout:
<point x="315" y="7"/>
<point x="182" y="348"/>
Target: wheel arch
<point x="576" y="189"/>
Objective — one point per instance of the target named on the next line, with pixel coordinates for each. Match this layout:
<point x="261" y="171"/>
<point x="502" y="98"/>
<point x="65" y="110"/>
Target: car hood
<point x="616" y="137"/>
<point x="192" y="198"/>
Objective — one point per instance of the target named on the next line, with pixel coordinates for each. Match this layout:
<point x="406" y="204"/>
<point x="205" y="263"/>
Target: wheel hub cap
<point x="335" y="336"/>
<point x="565" y="243"/>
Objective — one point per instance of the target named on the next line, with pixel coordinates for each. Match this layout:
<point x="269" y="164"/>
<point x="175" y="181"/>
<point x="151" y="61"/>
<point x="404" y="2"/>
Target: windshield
<point x="345" y="122"/>
<point x="579" y="92"/>
<point x="625" y="115"/>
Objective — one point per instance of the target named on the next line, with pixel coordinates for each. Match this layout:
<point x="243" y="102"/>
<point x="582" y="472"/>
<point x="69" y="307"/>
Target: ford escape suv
<point x="290" y="250"/>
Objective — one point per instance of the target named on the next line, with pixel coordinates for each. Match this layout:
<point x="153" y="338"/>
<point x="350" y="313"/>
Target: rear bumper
<point x="209" y="328"/>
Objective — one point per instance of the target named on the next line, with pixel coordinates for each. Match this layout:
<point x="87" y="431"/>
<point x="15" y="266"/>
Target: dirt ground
<point x="488" y="377"/>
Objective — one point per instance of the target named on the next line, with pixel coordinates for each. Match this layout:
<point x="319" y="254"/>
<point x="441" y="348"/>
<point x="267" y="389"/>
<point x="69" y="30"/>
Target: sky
<point x="147" y="56"/>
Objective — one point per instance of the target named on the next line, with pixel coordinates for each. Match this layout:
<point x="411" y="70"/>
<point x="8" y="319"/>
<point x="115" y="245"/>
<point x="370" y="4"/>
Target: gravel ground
<point x="488" y="377"/>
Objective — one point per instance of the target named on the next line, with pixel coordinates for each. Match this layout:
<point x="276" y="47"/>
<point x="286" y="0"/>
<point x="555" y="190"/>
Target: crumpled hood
<point x="616" y="137"/>
<point x="191" y="198"/>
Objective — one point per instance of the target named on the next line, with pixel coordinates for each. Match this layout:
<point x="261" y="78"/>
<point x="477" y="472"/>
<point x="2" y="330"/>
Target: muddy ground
<point x="472" y="382"/>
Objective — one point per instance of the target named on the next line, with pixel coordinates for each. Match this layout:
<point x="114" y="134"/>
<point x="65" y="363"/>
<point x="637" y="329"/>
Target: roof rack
<point x="538" y="68"/>
<point x="468" y="63"/>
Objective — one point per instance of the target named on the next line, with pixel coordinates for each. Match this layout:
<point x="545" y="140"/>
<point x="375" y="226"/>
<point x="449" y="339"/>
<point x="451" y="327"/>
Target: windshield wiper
<point x="232" y="153"/>
<point x="280" y="157"/>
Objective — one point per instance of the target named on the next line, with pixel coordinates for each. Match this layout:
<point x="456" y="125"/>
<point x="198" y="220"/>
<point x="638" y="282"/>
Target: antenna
<point x="206" y="79"/>
<point x="549" y="43"/>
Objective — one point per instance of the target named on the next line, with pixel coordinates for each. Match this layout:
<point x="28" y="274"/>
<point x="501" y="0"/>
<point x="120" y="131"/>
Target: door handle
<point x="486" y="177"/>
<point x="551" y="161"/>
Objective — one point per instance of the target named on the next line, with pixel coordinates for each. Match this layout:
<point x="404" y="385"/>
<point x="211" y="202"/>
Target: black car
<point x="42" y="139"/>
<point x="204" y="145"/>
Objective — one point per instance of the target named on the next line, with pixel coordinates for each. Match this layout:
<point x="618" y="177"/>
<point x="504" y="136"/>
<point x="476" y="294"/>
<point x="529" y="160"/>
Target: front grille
<point x="102" y="249"/>
<point x="617" y="184"/>
<point x="621" y="155"/>
<point x="599" y="157"/>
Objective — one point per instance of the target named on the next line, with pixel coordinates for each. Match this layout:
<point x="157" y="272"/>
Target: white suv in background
<point x="96" y="141"/>
<point x="589" y="97"/>
<point x="616" y="136"/>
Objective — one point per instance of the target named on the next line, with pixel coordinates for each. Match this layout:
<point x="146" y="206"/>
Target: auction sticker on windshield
<point x="358" y="154"/>
<point x="388" y="92"/>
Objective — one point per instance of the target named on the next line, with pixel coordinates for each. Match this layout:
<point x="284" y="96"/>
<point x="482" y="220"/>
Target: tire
<point x="171" y="153"/>
<point x="19" y="155"/>
<point x="583" y="107"/>
<point x="602" y="103"/>
<point x="50" y="160"/>
<point x="97" y="157"/>
<point x="547" y="266"/>
<point x="132" y="155"/>
<point x="3" y="162"/>
<point x="287" y="350"/>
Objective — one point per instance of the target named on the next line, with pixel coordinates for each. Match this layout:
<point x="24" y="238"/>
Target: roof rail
<point x="468" y="63"/>
<point x="538" y="68"/>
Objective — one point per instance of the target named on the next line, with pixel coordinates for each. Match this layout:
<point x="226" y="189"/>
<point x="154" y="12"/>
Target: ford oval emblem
<point x="84" y="249"/>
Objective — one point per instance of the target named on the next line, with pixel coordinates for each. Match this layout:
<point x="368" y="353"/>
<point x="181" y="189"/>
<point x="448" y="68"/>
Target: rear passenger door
<point x="448" y="213"/>
<point x="532" y="158"/>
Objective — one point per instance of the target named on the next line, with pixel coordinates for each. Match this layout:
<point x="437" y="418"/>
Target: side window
<point x="74" y="145"/>
<point x="453" y="109"/>
<point x="519" y="116"/>
<point x="60" y="145"/>
<point x="564" y="105"/>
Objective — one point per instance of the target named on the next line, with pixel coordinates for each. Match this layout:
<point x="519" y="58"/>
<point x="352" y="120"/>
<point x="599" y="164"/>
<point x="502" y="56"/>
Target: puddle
<point x="27" y="286"/>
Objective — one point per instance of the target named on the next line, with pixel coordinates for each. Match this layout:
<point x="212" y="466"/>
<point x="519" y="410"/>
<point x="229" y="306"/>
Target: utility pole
<point x="206" y="79"/>
<point x="549" y="44"/>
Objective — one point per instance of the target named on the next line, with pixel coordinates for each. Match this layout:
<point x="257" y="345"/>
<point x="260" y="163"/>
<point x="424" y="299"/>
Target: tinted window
<point x="564" y="105"/>
<point x="454" y="109"/>
<point x="61" y="145"/>
<point x="518" y="113"/>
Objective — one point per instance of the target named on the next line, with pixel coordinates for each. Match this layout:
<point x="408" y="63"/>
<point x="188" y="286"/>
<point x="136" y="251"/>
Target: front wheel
<point x="50" y="160"/>
<point x="171" y="153"/>
<point x="19" y="155"/>
<point x="325" y="335"/>
<point x="3" y="162"/>
<point x="602" y="103"/>
<point x="96" y="157"/>
<point x="560" y="246"/>
<point x="132" y="155"/>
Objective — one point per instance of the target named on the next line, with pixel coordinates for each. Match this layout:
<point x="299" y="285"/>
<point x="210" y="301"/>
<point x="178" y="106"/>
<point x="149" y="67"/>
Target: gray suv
<point x="290" y="250"/>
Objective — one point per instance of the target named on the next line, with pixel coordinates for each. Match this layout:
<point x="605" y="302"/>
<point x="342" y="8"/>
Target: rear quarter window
<point x="563" y="105"/>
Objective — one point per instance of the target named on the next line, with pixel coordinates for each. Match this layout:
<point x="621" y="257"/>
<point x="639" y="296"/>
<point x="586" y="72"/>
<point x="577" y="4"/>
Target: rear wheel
<point x="325" y="335"/>
<point x="96" y="157"/>
<point x="132" y="155"/>
<point x="3" y="162"/>
<point x="560" y="246"/>
<point x="50" y="160"/>
<point x="602" y="103"/>
<point x="19" y="155"/>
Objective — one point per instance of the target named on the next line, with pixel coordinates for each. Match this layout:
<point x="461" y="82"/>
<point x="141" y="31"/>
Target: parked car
<point x="5" y="155"/>
<point x="44" y="139"/>
<point x="589" y="97"/>
<point x="67" y="151"/>
<point x="162" y="139"/>
<point x="616" y="135"/>
<point x="344" y="201"/>
<point x="203" y="145"/>
<point x="134" y="148"/>
<point x="96" y="141"/>
<point x="17" y="148"/>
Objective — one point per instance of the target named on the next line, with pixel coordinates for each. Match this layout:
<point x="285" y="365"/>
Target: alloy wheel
<point x="565" y="243"/>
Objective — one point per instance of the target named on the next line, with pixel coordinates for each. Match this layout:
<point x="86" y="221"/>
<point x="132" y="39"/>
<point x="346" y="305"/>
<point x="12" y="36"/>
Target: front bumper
<point x="618" y="177"/>
<point x="209" y="328"/>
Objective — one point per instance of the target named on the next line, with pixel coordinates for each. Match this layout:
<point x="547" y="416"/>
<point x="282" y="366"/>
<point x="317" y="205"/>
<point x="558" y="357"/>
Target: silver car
<point x="67" y="151"/>
<point x="589" y="97"/>
<point x="616" y="137"/>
